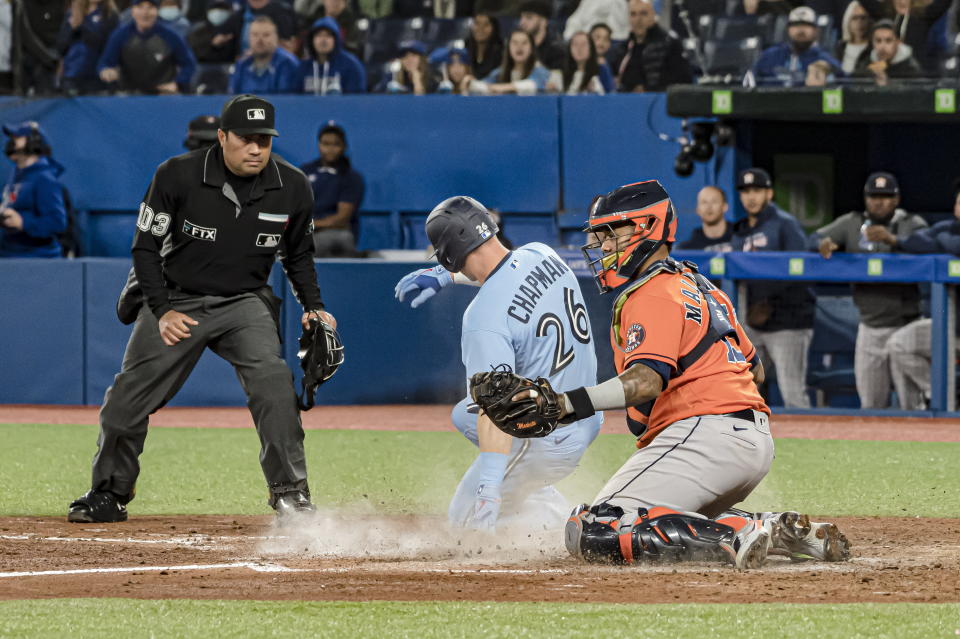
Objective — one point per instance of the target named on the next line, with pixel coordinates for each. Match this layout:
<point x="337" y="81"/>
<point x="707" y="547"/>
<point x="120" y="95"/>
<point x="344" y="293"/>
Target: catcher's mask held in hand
<point x="644" y="205"/>
<point x="534" y="414"/>
<point x="321" y="353"/>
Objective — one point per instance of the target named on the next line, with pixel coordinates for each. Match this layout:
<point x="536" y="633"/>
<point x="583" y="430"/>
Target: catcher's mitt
<point x="321" y="353"/>
<point x="535" y="414"/>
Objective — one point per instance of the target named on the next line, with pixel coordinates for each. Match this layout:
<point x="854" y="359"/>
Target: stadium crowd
<point x="329" y="47"/>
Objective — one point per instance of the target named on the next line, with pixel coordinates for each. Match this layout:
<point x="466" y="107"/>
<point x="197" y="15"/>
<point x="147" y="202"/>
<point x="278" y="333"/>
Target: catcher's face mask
<point x="626" y="227"/>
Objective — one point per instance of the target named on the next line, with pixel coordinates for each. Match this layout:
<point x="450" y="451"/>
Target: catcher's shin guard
<point x="602" y="534"/>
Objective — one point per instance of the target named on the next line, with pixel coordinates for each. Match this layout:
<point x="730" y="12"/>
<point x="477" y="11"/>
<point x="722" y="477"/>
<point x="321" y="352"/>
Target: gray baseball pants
<point x="910" y="352"/>
<point x="700" y="464"/>
<point x="241" y="330"/>
<point x="787" y="351"/>
<point x="871" y="365"/>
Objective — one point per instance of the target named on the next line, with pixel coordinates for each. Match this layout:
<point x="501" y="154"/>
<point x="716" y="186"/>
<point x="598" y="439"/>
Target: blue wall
<point x="527" y="156"/>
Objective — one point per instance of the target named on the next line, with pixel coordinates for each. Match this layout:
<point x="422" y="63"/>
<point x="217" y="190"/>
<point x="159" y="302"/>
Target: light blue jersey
<point x="529" y="314"/>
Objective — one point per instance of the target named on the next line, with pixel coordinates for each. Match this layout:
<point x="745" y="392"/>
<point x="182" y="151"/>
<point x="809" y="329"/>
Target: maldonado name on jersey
<point x="525" y="298"/>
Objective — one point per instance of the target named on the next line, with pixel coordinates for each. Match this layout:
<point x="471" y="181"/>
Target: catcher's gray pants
<point x="239" y="329"/>
<point x="787" y="351"/>
<point x="910" y="355"/>
<point x="700" y="464"/>
<point x="871" y="365"/>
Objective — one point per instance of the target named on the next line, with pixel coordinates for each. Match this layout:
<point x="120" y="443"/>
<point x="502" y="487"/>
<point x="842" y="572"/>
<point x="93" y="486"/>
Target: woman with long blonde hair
<point x="855" y="36"/>
<point x="83" y="34"/>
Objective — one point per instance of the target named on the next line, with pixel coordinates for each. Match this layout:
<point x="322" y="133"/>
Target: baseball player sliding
<point x="687" y="376"/>
<point x="528" y="316"/>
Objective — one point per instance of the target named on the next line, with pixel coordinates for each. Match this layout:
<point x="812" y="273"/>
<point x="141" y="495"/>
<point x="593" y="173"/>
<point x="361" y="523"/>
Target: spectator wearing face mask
<point x="269" y="68"/>
<point x="171" y="16"/>
<point x="145" y="56"/>
<point x="214" y="40"/>
<point x="786" y="64"/>
<point x="32" y="212"/>
<point x="83" y="35"/>
<point x="329" y="69"/>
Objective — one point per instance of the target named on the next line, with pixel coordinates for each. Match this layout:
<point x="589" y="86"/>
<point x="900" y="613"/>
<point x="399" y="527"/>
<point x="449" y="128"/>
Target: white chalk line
<point x="91" y="571"/>
<point x="201" y="541"/>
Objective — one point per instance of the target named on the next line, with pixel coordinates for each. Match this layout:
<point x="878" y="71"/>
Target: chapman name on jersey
<point x="525" y="298"/>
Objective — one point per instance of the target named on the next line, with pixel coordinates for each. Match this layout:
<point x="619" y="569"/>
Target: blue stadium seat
<point x="730" y="58"/>
<point x="507" y="24"/>
<point x="735" y="29"/>
<point x="211" y="79"/>
<point x="386" y="34"/>
<point x="830" y="367"/>
<point x="440" y="31"/>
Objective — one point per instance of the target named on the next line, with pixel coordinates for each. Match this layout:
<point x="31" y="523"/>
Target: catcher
<point x="687" y="377"/>
<point x="528" y="315"/>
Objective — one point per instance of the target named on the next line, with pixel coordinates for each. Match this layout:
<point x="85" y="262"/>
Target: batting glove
<point x="423" y="283"/>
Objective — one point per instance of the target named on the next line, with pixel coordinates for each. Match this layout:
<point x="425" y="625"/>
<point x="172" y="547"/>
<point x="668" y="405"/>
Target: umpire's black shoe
<point x="293" y="503"/>
<point x="97" y="506"/>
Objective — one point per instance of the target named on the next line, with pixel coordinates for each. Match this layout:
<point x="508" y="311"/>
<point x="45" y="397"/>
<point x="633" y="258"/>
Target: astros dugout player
<point x="528" y="316"/>
<point x="687" y="376"/>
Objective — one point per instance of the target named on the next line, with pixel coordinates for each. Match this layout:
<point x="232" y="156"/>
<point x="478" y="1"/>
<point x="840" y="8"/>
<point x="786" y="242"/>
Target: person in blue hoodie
<point x="33" y="212"/>
<point x="143" y="55"/>
<point x="786" y="64"/>
<point x="329" y="69"/>
<point x="779" y="316"/>
<point x="83" y="35"/>
<point x="269" y="68"/>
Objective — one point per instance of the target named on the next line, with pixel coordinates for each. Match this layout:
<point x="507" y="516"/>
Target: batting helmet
<point x="644" y="206"/>
<point x="457" y="226"/>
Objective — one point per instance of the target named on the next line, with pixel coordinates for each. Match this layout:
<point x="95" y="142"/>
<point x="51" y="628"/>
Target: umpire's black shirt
<point x="195" y="235"/>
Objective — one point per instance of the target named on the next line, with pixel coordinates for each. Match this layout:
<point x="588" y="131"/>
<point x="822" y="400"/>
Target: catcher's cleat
<point x="293" y="503"/>
<point x="752" y="544"/>
<point x="97" y="506"/>
<point x="805" y="540"/>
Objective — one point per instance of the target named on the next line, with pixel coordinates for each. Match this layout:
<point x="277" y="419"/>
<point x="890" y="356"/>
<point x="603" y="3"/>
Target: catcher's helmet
<point x="457" y="226"/>
<point x="320" y="354"/>
<point x="648" y="209"/>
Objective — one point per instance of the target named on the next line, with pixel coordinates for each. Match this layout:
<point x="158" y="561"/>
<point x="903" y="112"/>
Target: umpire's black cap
<point x="754" y="178"/>
<point x="248" y="115"/>
<point x="881" y="184"/>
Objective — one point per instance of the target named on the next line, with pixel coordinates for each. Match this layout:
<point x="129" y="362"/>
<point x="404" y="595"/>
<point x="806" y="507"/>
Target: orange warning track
<point x="434" y="417"/>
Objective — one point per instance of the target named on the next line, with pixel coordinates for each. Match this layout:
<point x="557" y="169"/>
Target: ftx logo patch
<point x="199" y="232"/>
<point x="268" y="240"/>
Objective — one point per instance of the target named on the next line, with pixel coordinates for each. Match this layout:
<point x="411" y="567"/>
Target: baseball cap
<point x="247" y="115"/>
<point x="414" y="46"/>
<point x="803" y="15"/>
<point x="881" y="183"/>
<point x="538" y="7"/>
<point x="754" y="178"/>
<point x="331" y="126"/>
<point x="155" y="3"/>
<point x="459" y="53"/>
<point x="24" y="129"/>
<point x="201" y="130"/>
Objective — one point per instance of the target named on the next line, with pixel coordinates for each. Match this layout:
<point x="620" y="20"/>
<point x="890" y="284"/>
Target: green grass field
<point x="418" y="471"/>
<point x="44" y="466"/>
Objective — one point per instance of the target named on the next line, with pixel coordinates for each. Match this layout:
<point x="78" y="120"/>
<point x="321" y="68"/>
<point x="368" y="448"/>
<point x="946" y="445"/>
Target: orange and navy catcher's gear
<point x="648" y="208"/>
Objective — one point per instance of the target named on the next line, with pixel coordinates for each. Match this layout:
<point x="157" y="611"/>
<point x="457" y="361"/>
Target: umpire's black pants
<point x="239" y="329"/>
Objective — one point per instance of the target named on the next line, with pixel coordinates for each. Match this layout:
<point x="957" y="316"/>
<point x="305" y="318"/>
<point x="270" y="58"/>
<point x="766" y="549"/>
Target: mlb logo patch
<point x="635" y="337"/>
<point x="515" y="264"/>
<point x="268" y="240"/>
<point x="256" y="114"/>
<point x="483" y="231"/>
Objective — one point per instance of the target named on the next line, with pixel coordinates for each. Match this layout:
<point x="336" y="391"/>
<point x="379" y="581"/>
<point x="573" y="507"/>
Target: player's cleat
<point x="97" y="506"/>
<point x="752" y="544"/>
<point x="805" y="540"/>
<point x="293" y="503"/>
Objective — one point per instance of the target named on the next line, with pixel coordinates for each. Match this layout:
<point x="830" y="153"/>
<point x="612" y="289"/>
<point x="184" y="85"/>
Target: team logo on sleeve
<point x="635" y="337"/>
<point x="268" y="240"/>
<point x="199" y="232"/>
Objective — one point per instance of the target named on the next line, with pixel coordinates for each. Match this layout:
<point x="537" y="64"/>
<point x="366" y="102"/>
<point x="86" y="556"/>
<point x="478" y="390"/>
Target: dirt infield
<point x="437" y="418"/>
<point x="249" y="558"/>
<point x="348" y="556"/>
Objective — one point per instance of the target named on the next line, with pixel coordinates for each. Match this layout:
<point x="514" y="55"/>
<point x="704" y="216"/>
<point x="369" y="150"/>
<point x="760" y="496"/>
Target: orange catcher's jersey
<point x="659" y="321"/>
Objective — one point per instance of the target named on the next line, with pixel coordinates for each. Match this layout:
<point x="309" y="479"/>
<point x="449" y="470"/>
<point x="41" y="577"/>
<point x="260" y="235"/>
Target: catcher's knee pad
<point x="603" y="534"/>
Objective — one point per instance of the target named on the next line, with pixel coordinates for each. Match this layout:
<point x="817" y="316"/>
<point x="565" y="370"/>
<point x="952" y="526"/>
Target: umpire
<point x="208" y="232"/>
